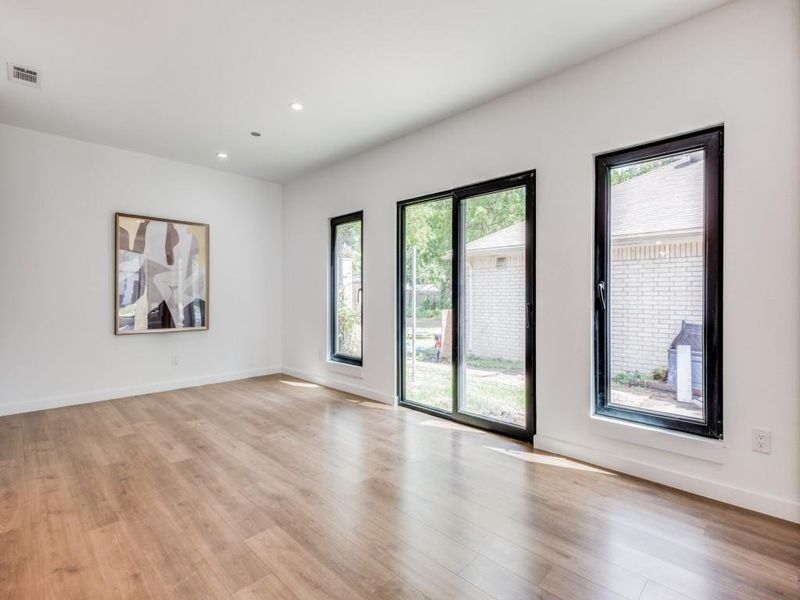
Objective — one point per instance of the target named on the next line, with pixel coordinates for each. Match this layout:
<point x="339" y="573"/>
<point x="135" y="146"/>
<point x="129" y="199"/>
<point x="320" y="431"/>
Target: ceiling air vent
<point x="23" y="75"/>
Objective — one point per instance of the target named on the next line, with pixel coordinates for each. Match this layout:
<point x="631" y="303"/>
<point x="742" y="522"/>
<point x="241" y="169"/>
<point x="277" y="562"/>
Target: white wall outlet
<point x="173" y="360"/>
<point x="762" y="441"/>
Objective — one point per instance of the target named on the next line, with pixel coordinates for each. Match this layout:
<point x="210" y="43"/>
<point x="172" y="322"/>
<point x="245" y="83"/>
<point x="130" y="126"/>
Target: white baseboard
<point x="137" y="390"/>
<point x="338" y="384"/>
<point x="782" y="508"/>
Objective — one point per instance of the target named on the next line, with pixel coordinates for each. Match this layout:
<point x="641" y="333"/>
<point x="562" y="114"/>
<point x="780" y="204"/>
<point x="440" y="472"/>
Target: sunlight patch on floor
<point x="372" y="404"/>
<point x="304" y="384"/>
<point x="549" y="460"/>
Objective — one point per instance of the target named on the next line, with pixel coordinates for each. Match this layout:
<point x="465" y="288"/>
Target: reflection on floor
<point x="278" y="489"/>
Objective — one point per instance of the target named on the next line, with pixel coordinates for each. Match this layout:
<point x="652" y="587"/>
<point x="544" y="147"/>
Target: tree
<point x="428" y="227"/>
<point x="620" y="174"/>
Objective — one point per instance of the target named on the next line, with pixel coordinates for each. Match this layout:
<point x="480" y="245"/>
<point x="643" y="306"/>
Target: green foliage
<point x="628" y="378"/>
<point x="659" y="374"/>
<point x="495" y="364"/>
<point x="348" y="243"/>
<point x="493" y="212"/>
<point x="428" y="227"/>
<point x="620" y="174"/>
<point x="349" y="331"/>
<point x="348" y="316"/>
<point x="637" y="378"/>
<point x="424" y="313"/>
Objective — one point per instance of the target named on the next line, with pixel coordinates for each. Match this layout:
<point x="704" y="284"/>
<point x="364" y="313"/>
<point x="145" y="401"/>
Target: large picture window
<point x="658" y="284"/>
<point x="346" y="288"/>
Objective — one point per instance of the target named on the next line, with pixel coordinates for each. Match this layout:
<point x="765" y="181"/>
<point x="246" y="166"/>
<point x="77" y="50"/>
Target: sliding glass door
<point x="427" y="330"/>
<point x="465" y="303"/>
<point x="493" y="306"/>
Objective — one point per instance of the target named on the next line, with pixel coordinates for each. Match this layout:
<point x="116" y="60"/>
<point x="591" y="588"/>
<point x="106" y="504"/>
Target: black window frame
<point x="458" y="195"/>
<point x="333" y="355"/>
<point x="712" y="142"/>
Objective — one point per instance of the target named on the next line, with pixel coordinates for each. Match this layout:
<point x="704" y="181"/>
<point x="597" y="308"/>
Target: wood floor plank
<point x="542" y="546"/>
<point x="498" y="581"/>
<point x="563" y="584"/>
<point x="298" y="569"/>
<point x="120" y="565"/>
<point x="656" y="591"/>
<point x="53" y="544"/>
<point x="281" y="489"/>
<point x="268" y="587"/>
<point x="11" y="438"/>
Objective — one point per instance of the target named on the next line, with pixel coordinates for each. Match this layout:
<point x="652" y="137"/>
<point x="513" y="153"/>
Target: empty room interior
<point x="430" y="299"/>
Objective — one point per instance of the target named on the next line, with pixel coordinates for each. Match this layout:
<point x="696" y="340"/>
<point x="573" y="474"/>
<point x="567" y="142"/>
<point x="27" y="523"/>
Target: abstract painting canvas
<point x="162" y="275"/>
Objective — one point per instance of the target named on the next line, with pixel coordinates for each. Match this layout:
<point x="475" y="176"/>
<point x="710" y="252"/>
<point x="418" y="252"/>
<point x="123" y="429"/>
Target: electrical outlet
<point x="173" y="360"/>
<point x="762" y="441"/>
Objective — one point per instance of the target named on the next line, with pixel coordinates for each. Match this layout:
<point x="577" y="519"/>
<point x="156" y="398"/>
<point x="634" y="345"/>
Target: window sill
<point x="700" y="448"/>
<point x="345" y="368"/>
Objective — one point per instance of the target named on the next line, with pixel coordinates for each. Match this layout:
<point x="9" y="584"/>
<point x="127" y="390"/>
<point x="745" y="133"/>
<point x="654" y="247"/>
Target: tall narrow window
<point x="346" y="288"/>
<point x="658" y="268"/>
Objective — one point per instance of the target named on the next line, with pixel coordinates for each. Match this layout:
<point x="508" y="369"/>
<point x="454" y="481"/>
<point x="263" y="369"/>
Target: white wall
<point x="739" y="65"/>
<point x="57" y="203"/>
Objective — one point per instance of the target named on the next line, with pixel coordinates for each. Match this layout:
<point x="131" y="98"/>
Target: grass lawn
<point x="493" y="394"/>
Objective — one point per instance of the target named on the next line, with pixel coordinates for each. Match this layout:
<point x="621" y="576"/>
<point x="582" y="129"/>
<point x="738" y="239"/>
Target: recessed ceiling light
<point x="222" y="155"/>
<point x="255" y="133"/>
<point x="296" y="106"/>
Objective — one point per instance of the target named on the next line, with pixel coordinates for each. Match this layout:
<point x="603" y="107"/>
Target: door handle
<point x="528" y="308"/>
<point x="601" y="293"/>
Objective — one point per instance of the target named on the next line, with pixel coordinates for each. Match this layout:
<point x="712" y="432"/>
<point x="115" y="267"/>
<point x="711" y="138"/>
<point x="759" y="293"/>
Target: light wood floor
<point x="273" y="488"/>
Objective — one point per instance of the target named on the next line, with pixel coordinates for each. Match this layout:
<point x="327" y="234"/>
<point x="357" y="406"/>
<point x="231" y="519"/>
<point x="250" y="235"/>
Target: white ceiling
<point x="185" y="79"/>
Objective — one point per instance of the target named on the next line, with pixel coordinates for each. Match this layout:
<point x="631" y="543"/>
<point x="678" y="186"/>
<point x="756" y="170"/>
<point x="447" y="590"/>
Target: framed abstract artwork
<point x="162" y="273"/>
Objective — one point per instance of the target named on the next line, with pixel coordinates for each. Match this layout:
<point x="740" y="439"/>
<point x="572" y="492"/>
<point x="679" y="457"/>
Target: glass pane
<point x="428" y="315"/>
<point x="655" y="294"/>
<point x="348" y="289"/>
<point x="494" y="288"/>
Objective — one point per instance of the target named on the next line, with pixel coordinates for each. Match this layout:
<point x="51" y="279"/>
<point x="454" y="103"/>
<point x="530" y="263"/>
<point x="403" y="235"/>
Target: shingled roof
<point x="511" y="238"/>
<point x="665" y="200"/>
<point x="668" y="199"/>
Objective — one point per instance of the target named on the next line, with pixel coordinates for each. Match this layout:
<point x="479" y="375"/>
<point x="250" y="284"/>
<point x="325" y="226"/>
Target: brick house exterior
<point x="656" y="262"/>
<point x="650" y="296"/>
<point x="657" y="272"/>
<point x="495" y="294"/>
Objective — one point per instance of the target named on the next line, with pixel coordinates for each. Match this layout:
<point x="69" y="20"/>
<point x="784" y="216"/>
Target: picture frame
<point x="161" y="275"/>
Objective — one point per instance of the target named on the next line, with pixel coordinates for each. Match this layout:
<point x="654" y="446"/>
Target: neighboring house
<point x="425" y="292"/>
<point x="496" y="294"/>
<point x="657" y="262"/>
<point x="657" y="272"/>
